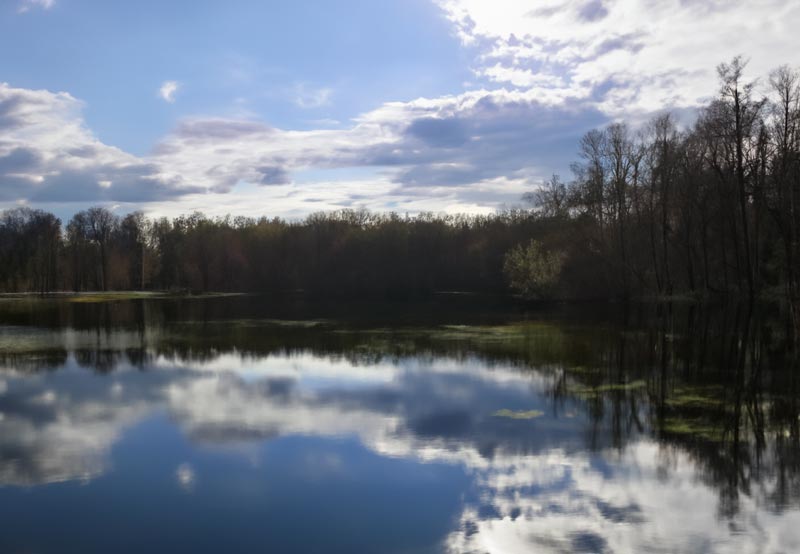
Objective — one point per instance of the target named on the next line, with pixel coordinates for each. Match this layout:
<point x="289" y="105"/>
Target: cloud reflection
<point x="535" y="485"/>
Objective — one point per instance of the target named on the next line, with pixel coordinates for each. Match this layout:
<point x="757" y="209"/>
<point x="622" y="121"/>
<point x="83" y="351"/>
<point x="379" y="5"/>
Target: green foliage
<point x="524" y="414"/>
<point x="533" y="272"/>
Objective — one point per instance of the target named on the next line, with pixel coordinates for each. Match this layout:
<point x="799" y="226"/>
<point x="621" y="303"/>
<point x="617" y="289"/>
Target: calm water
<point x="238" y="425"/>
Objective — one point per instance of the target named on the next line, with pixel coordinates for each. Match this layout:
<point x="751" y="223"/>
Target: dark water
<point x="241" y="425"/>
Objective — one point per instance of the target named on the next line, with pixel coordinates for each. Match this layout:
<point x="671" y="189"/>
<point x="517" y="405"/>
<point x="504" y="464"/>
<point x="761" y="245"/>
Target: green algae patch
<point x="18" y="343"/>
<point x="585" y="390"/>
<point x="287" y="323"/>
<point x="117" y="296"/>
<point x="696" y="397"/>
<point x="689" y="400"/>
<point x="95" y="297"/>
<point x="511" y="414"/>
<point x="478" y="333"/>
<point x="504" y="331"/>
<point x="584" y="370"/>
<point x="692" y="428"/>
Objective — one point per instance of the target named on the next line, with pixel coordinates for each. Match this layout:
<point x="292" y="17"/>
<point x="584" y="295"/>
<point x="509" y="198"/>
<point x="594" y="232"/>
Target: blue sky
<point x="232" y="57"/>
<point x="284" y="108"/>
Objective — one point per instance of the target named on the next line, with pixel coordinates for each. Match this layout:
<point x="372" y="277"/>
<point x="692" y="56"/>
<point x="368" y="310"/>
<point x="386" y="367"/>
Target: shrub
<point x="533" y="272"/>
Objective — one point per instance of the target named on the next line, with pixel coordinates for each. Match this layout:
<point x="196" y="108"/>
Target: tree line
<point x="709" y="209"/>
<point x="345" y="252"/>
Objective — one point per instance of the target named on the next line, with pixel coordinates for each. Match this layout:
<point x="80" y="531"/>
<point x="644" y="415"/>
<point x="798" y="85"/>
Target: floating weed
<point x="585" y="370"/>
<point x="696" y="396"/>
<point x="95" y="297"/>
<point x="689" y="400"/>
<point x="295" y="323"/>
<point x="529" y="414"/>
<point x="255" y="323"/>
<point x="692" y="428"/>
<point x="375" y="331"/>
<point x="493" y="332"/>
<point x="585" y="390"/>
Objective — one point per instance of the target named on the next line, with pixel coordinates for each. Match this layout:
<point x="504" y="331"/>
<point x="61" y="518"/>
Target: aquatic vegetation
<point x="686" y="397"/>
<point x="117" y="296"/>
<point x="693" y="429"/>
<point x="588" y="390"/>
<point x="524" y="414"/>
<point x="94" y="297"/>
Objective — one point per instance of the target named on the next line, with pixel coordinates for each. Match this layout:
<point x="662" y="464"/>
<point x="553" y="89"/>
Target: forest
<point x="656" y="209"/>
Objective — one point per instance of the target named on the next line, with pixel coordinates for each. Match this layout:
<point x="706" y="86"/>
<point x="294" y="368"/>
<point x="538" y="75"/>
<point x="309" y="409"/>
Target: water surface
<point x="248" y="425"/>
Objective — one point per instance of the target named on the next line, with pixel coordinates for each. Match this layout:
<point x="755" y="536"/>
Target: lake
<point x="462" y="424"/>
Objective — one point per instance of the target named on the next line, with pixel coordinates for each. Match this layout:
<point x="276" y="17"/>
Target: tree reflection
<point x="718" y="384"/>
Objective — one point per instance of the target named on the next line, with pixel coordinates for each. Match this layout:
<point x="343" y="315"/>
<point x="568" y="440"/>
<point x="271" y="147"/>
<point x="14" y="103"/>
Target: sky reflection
<point x="306" y="452"/>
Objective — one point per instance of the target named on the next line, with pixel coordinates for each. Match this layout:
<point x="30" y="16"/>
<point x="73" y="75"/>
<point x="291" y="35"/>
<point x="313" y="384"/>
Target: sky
<point x="249" y="107"/>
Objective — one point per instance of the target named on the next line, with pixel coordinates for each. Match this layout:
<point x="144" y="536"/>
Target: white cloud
<point x="310" y="98"/>
<point x="26" y="5"/>
<point x="168" y="90"/>
<point x="471" y="152"/>
<point x="549" y="74"/>
<point x="479" y="149"/>
<point x="624" y="513"/>
<point x="536" y="491"/>
<point x="662" y="53"/>
<point x="47" y="154"/>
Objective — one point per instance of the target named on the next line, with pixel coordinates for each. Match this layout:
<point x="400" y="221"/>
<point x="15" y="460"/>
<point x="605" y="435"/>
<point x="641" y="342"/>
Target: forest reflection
<point x="714" y="389"/>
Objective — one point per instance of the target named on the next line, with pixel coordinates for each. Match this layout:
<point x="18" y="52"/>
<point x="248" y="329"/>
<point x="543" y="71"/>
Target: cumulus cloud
<point x="623" y="55"/>
<point x="450" y="150"/>
<point x="168" y="90"/>
<point x="455" y="148"/>
<point x="548" y="75"/>
<point x="47" y="154"/>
